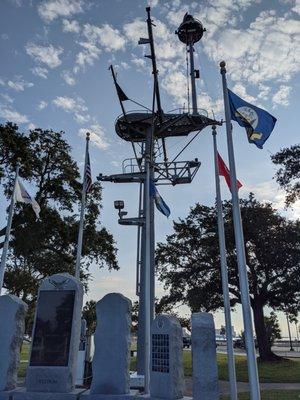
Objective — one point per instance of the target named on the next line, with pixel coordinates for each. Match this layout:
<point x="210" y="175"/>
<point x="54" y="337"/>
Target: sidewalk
<point x="243" y="387"/>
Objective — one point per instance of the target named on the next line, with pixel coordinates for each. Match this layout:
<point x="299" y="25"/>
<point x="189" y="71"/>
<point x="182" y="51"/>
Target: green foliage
<point x="89" y="314"/>
<point x="189" y="264"/>
<point x="288" y="175"/>
<point x="47" y="246"/>
<point x="272" y="328"/>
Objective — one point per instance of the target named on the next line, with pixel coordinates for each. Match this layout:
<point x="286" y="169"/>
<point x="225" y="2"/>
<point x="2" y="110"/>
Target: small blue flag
<point x="258" y="123"/>
<point x="159" y="202"/>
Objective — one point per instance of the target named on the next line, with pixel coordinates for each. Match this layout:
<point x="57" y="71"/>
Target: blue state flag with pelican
<point x="159" y="201"/>
<point x="258" y="123"/>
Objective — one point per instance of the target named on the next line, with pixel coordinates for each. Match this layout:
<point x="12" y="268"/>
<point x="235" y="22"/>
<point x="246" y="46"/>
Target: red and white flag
<point x="224" y="171"/>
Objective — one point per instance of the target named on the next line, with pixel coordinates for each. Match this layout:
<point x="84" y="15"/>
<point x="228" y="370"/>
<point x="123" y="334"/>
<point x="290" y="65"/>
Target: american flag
<point x="88" y="175"/>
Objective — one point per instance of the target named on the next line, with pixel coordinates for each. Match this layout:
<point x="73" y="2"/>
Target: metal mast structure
<point x="190" y="32"/>
<point x="148" y="132"/>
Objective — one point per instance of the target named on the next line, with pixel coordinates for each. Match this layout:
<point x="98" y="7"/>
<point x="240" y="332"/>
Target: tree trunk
<point x="264" y="347"/>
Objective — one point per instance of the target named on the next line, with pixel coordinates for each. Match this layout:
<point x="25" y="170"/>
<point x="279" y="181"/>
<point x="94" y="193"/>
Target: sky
<point x="54" y="74"/>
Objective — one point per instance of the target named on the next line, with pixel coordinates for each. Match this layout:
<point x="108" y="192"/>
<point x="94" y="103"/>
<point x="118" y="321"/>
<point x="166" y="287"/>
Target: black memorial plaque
<point x="52" y="335"/>
<point x="160" y="353"/>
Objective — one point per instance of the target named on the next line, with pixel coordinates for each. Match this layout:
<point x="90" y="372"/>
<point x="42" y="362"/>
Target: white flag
<point x="22" y="196"/>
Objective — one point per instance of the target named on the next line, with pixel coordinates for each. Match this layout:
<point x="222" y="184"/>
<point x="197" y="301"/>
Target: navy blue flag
<point x="259" y="123"/>
<point x="159" y="202"/>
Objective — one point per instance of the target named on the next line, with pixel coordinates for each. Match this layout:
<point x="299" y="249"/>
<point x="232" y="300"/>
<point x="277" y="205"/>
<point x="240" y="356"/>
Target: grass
<point x="285" y="371"/>
<point x="270" y="395"/>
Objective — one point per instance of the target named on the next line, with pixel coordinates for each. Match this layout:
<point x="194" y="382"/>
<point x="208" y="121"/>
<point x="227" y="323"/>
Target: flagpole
<point x="83" y="198"/>
<point x="240" y="250"/>
<point x="8" y="229"/>
<point x="224" y="274"/>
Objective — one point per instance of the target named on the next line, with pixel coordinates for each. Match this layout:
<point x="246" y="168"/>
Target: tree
<point x="272" y="328"/>
<point x="288" y="175"/>
<point x="189" y="264"/>
<point x="89" y="314"/>
<point x="47" y="246"/>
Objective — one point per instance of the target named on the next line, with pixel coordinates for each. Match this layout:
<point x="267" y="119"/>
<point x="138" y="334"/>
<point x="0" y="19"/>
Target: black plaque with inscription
<point x="160" y="353"/>
<point x="52" y="335"/>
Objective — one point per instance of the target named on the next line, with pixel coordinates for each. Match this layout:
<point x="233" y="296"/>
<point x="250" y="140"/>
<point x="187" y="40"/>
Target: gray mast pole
<point x="240" y="250"/>
<point x="148" y="258"/>
<point x="224" y="274"/>
<point x="8" y="229"/>
<point x="193" y="80"/>
<point x="81" y="223"/>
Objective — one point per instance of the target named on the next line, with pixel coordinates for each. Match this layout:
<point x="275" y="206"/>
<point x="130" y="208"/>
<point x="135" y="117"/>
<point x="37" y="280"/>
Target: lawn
<point x="270" y="395"/>
<point x="285" y="371"/>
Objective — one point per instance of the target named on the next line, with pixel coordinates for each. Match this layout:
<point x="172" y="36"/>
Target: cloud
<point x="19" y="85"/>
<point x="97" y="136"/>
<point x="87" y="56"/>
<point x="7" y="99"/>
<point x="31" y="126"/>
<point x="240" y="90"/>
<point x="71" y="26"/>
<point x="40" y="71"/>
<point x="282" y="96"/>
<point x="48" y="55"/>
<point x="73" y="106"/>
<point x="68" y="78"/>
<point x="52" y="9"/>
<point x="42" y="104"/>
<point x="12" y="115"/>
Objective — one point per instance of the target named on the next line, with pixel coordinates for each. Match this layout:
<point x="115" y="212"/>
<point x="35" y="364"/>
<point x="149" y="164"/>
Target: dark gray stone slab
<point x="22" y="394"/>
<point x="12" y="322"/>
<point x="56" y="336"/>
<point x="204" y="357"/>
<point x="166" y="369"/>
<point x="112" y="346"/>
<point x="131" y="396"/>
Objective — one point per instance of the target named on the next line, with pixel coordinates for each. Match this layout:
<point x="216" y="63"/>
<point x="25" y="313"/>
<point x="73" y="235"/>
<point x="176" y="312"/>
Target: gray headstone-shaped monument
<point x="12" y="323"/>
<point x="112" y="347"/>
<point x="166" y="373"/>
<point x="56" y="336"/>
<point x="205" y="370"/>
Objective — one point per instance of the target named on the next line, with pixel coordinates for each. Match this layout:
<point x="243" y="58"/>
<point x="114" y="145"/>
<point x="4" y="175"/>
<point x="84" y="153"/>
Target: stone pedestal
<point x="205" y="370"/>
<point x="21" y="394"/>
<point x="12" y="324"/>
<point x="55" y="339"/>
<point x="112" y="347"/>
<point x="166" y="369"/>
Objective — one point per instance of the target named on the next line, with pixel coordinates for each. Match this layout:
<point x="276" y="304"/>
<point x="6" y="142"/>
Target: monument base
<point x="6" y="395"/>
<point x="21" y="394"/>
<point x="87" y="396"/>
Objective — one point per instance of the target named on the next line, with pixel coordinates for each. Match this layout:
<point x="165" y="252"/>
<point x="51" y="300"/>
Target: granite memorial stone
<point x="56" y="335"/>
<point x="12" y="323"/>
<point x="112" y="347"/>
<point x="204" y="357"/>
<point x="166" y="373"/>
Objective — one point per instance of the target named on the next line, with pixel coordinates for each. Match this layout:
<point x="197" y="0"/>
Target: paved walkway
<point x="244" y="386"/>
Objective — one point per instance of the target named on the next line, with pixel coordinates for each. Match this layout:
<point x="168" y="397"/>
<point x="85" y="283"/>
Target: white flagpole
<point x="8" y="228"/>
<point x="224" y="275"/>
<point x="240" y="250"/>
<point x="81" y="223"/>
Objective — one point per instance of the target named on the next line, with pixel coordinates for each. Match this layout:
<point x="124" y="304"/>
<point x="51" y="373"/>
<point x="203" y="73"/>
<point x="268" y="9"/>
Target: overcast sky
<point x="54" y="74"/>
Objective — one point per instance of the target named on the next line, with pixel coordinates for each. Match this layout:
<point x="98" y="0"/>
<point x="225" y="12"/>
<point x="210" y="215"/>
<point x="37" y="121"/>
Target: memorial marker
<point x="204" y="357"/>
<point x="166" y="374"/>
<point x="12" y="321"/>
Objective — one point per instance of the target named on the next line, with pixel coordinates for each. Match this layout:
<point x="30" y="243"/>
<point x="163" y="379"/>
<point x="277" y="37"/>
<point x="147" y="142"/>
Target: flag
<point x="159" y="202"/>
<point x="224" y="171"/>
<point x="88" y="175"/>
<point x="22" y="196"/>
<point x="259" y="123"/>
<point x="122" y="96"/>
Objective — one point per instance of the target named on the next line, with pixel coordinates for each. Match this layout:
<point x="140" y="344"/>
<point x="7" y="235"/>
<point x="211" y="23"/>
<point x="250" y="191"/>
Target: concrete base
<point x="21" y="394"/>
<point x="6" y="395"/>
<point x="87" y="396"/>
<point x="136" y="381"/>
<point x="146" y="396"/>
